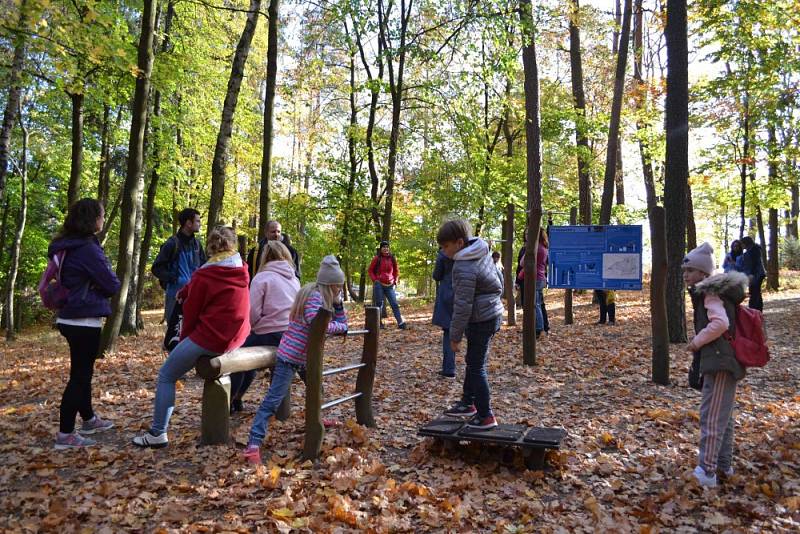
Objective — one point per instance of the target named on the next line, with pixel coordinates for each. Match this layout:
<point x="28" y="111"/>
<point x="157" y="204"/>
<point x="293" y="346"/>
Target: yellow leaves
<point x="606" y="438"/>
<point x="282" y="513"/>
<point x="792" y="503"/>
<point x="269" y="479"/>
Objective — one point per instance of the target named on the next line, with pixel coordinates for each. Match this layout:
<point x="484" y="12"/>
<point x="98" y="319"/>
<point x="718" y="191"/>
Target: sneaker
<point x="442" y="374"/>
<point x="330" y="422"/>
<point x="704" y="479"/>
<point x="461" y="409"/>
<point x="95" y="425"/>
<point x="152" y="441"/>
<point x="252" y="454"/>
<point x="482" y="423"/>
<point x="725" y="473"/>
<point x="402" y="326"/>
<point x="72" y="441"/>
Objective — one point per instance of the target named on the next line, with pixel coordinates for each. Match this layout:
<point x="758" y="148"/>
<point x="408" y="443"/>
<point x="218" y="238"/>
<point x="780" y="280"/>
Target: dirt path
<point x="623" y="467"/>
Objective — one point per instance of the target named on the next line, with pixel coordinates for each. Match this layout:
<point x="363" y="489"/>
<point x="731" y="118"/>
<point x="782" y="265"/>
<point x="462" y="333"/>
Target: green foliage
<point x="790" y="254"/>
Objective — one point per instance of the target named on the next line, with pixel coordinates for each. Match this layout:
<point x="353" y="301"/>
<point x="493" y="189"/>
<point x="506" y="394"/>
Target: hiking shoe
<point x="95" y="425"/>
<point x="461" y="409"/>
<point x="252" y="454"/>
<point x="704" y="479"/>
<point x="402" y="326"/>
<point x="482" y="423"/>
<point x="442" y="374"/>
<point x="152" y="441"/>
<point x="72" y="441"/>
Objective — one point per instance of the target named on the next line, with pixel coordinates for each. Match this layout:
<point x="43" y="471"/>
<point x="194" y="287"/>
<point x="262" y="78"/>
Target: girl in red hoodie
<point x="216" y="309"/>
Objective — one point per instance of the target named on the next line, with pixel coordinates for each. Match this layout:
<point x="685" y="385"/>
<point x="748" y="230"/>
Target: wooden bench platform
<point x="533" y="441"/>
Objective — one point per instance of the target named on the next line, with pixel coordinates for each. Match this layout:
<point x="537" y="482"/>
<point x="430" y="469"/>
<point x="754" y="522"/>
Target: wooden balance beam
<point x="215" y="420"/>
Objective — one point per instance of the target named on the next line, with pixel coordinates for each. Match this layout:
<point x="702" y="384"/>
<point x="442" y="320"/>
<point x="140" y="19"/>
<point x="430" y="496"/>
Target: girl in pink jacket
<point x="272" y="293"/>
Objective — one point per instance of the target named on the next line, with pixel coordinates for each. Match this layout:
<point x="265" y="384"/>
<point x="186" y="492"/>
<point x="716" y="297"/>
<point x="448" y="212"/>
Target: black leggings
<point x="84" y="344"/>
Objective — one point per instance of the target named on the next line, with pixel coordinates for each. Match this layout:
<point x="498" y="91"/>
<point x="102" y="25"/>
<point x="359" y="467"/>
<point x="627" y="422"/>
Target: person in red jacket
<point x="216" y="319"/>
<point x="384" y="273"/>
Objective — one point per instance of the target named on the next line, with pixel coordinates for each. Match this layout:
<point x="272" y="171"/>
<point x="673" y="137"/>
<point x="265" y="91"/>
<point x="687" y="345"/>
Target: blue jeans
<point x="540" y="285"/>
<point x="178" y="363"/>
<point x="476" y="379"/>
<point x="379" y="291"/>
<point x="448" y="356"/>
<point x="240" y="382"/>
<point x="282" y="377"/>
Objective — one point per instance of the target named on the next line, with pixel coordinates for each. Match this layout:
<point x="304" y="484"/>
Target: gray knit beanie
<point x="701" y="258"/>
<point x="329" y="271"/>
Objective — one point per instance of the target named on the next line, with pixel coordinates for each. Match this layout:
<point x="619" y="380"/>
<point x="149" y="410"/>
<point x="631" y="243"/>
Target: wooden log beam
<point x="366" y="374"/>
<point x="241" y="359"/>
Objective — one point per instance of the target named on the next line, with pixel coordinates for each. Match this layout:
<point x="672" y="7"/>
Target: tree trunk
<point x="226" y="123"/>
<point x="691" y="228"/>
<point x="794" y="213"/>
<point x="131" y="186"/>
<point x="110" y="218"/>
<point x="21" y="219"/>
<point x="269" y="109"/>
<point x="344" y="242"/>
<point x="774" y="229"/>
<point x="676" y="166"/>
<point x="616" y="112"/>
<point x="581" y="139"/>
<point x="743" y="167"/>
<point x="533" y="142"/>
<point x="152" y="188"/>
<point x="641" y="100"/>
<point x="14" y="83"/>
<point x="105" y="159"/>
<point x="396" y="89"/>
<point x="74" y="188"/>
<point x="658" y="303"/>
<point x="129" y="325"/>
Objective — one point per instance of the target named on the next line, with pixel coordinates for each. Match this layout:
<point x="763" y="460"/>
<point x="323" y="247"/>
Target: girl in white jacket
<point x="272" y="293"/>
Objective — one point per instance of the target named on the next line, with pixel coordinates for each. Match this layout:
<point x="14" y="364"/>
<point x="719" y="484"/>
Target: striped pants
<point x="716" y="421"/>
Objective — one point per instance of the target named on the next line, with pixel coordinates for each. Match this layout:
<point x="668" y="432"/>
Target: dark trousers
<point x="607" y="311"/>
<point x="84" y="345"/>
<point x="756" y="302"/>
<point x="240" y="382"/>
<point x="476" y="379"/>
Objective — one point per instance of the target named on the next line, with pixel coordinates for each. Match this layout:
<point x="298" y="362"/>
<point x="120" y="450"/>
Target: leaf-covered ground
<point x="624" y="465"/>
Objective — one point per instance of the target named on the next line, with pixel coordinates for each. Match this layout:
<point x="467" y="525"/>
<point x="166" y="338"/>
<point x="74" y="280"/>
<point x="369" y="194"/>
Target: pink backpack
<point x="52" y="292"/>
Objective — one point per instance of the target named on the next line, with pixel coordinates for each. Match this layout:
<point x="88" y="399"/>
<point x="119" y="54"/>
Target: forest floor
<point x="624" y="466"/>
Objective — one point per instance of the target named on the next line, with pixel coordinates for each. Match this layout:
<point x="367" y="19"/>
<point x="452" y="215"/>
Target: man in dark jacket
<point x="179" y="257"/>
<point x="274" y="233"/>
<point x="753" y="267"/>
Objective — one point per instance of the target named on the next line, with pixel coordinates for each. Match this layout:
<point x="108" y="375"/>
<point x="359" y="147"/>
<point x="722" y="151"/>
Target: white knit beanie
<point x="329" y="271"/>
<point x="701" y="258"/>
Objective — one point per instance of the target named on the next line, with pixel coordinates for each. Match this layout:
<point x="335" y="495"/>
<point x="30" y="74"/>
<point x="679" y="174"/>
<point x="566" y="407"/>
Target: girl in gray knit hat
<point x="326" y="293"/>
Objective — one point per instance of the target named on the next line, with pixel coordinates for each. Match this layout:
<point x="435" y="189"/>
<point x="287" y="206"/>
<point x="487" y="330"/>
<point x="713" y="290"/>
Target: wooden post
<point x="366" y="374"/>
<point x="509" y="265"/>
<point x="568" y="316"/>
<point x="315" y="432"/>
<point x="658" y="297"/>
<point x="215" y="418"/>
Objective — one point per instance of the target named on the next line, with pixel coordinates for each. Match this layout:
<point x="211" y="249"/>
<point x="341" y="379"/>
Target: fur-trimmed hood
<point x="732" y="286"/>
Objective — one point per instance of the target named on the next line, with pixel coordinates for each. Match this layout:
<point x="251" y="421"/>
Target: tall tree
<point x="269" y="110"/>
<point x="21" y="219"/>
<point x="619" y="181"/>
<point x="676" y="165"/>
<point x="609" y="180"/>
<point x="14" y="84"/>
<point x="772" y="258"/>
<point x="533" y="144"/>
<point x="220" y="161"/>
<point x="76" y="161"/>
<point x="132" y="178"/>
<point x="579" y="101"/>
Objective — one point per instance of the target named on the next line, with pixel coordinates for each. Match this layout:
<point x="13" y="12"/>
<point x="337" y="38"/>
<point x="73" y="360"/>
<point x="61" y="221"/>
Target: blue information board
<point x="595" y="257"/>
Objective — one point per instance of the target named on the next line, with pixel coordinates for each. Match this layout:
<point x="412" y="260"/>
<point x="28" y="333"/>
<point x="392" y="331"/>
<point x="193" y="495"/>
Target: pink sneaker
<point x="252" y="454"/>
<point x="72" y="441"/>
<point x="329" y="422"/>
<point x="95" y="425"/>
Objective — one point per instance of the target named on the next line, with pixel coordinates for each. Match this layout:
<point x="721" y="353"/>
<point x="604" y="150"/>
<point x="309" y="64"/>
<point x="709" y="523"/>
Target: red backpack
<point x="748" y="340"/>
<point x="52" y="292"/>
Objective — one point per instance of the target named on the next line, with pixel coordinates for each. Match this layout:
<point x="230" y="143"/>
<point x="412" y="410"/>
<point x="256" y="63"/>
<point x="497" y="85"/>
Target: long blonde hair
<point x="328" y="292"/>
<point x="275" y="251"/>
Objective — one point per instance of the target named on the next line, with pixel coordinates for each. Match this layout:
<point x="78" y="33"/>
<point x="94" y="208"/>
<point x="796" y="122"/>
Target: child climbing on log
<point x="326" y="293"/>
<point x="216" y="308"/>
<point x="272" y="294"/>
<point x="477" y="314"/>
<point x="714" y="299"/>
